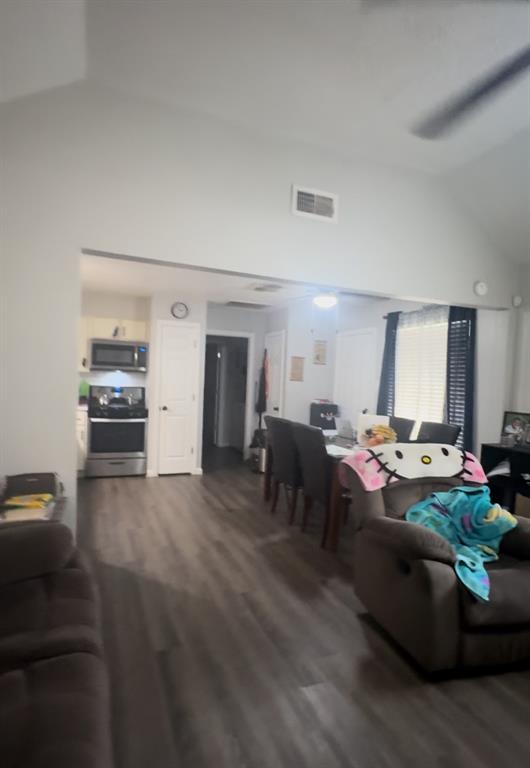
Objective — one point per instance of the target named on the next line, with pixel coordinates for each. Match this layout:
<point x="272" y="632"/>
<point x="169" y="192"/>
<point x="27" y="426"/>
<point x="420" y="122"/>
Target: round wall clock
<point x="180" y="310"/>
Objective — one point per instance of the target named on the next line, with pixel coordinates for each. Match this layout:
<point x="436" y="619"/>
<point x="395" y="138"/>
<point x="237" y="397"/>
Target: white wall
<point x="521" y="380"/>
<point x="118" y="305"/>
<point x="39" y="362"/>
<point x="494" y="365"/>
<point x="306" y="324"/>
<point x="278" y="320"/>
<point x="41" y="298"/>
<point x="3" y="337"/>
<point x="84" y="167"/>
<point x="188" y="189"/>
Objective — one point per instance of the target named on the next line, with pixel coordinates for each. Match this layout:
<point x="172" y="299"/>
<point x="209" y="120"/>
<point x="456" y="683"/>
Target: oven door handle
<point x="117" y="421"/>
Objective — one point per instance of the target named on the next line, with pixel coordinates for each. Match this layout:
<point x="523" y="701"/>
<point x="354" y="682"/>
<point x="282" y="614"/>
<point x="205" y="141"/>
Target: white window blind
<point x="421" y="364"/>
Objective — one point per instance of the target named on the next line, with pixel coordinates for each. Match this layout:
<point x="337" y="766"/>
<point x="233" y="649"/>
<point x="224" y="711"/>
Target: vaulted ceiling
<point x="350" y="76"/>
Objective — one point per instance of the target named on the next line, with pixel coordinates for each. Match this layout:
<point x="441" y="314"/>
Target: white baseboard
<point x="151" y="473"/>
<point x="196" y="471"/>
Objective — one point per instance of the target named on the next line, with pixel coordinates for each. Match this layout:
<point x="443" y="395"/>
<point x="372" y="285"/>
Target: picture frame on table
<point x="514" y="425"/>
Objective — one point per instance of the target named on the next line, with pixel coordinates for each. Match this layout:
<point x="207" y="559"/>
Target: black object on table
<point x="323" y="415"/>
<point x="504" y="488"/>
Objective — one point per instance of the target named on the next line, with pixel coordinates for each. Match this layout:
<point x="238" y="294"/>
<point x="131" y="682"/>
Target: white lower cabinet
<point x="81" y="427"/>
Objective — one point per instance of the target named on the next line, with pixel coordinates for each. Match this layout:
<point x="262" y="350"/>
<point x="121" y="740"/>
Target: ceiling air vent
<point x="315" y="204"/>
<point x="265" y="287"/>
<point x="246" y="305"/>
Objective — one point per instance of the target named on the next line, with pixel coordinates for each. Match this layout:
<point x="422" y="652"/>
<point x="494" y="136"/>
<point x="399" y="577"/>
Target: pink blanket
<point x="384" y="464"/>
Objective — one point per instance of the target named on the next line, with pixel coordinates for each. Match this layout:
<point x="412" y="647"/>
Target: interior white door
<point x="275" y="346"/>
<point x="178" y="380"/>
<point x="356" y="373"/>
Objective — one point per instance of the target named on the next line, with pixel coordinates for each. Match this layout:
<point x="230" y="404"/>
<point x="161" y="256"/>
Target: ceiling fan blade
<point x="442" y="120"/>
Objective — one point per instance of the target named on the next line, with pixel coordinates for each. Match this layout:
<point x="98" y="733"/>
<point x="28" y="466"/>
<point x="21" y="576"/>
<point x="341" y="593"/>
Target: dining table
<point x="336" y="452"/>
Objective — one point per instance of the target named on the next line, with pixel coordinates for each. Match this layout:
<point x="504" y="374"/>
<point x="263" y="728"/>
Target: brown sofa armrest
<point x="31" y="549"/>
<point x="517" y="541"/>
<point x="418" y="605"/>
<point x="411" y="541"/>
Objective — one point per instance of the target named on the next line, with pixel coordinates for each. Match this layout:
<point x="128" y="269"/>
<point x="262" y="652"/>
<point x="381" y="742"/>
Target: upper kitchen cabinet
<point x="133" y="330"/>
<point x="103" y="327"/>
<point x="116" y="328"/>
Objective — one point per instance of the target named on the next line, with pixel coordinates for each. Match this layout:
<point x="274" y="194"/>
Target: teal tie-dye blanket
<point x="473" y="525"/>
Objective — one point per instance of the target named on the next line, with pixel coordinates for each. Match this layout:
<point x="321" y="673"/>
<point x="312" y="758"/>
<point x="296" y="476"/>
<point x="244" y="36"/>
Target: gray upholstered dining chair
<point x="285" y="462"/>
<point x="435" y="432"/>
<point x="317" y="474"/>
<point x="402" y="427"/>
<point x="316" y="470"/>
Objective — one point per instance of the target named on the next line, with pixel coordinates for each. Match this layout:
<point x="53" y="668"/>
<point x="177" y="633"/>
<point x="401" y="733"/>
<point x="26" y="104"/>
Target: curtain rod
<point x="425" y="306"/>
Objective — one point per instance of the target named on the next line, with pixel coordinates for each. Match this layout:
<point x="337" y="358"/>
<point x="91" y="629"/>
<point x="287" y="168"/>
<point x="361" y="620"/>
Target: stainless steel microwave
<point x="117" y="355"/>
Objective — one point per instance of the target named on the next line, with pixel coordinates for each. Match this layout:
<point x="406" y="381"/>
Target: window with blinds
<point x="421" y="364"/>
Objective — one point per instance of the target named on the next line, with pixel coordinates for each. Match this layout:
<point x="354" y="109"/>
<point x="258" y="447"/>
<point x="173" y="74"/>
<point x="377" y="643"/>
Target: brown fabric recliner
<point x="53" y="685"/>
<point x="404" y="576"/>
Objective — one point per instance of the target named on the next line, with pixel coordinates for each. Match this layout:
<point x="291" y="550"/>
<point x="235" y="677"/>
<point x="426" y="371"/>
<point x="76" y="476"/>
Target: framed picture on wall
<point x="297" y="368"/>
<point x="514" y="424"/>
<point x="320" y="349"/>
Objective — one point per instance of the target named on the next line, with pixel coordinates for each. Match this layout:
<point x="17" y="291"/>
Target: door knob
<point x="164" y="408"/>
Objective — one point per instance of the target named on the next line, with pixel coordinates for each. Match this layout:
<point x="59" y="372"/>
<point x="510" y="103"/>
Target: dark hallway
<point x="225" y="382"/>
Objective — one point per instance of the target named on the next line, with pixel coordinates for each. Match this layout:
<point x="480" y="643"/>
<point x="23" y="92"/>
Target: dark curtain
<point x="460" y="399"/>
<point x="387" y="385"/>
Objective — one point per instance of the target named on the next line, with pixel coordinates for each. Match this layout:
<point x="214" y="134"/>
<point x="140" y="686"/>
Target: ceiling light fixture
<point x="325" y="300"/>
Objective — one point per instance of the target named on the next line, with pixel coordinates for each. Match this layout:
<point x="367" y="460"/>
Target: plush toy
<point x="378" y="435"/>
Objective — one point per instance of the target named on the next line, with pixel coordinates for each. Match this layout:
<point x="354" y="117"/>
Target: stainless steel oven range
<point x="117" y="431"/>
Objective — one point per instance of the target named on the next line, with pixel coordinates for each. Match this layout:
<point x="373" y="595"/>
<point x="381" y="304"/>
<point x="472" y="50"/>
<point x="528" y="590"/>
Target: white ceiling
<point x="352" y="75"/>
<point x="42" y="45"/>
<point x="137" y="278"/>
<point x="349" y="75"/>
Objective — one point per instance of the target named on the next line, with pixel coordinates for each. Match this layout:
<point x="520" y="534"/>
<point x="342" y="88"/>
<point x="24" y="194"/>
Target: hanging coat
<point x="263" y="387"/>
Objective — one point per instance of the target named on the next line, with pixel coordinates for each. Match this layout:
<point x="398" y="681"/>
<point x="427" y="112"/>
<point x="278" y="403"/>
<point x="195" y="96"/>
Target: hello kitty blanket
<point x="383" y="464"/>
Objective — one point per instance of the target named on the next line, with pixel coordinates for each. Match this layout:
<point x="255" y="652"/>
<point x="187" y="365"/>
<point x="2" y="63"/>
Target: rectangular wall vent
<point x="314" y="204"/>
<point x="247" y="305"/>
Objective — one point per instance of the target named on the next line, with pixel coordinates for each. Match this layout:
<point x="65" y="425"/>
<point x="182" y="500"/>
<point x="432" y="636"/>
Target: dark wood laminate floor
<point x="235" y="642"/>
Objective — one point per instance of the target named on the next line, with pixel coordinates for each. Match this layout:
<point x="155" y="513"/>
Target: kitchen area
<point x="113" y="363"/>
<point x="141" y="362"/>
